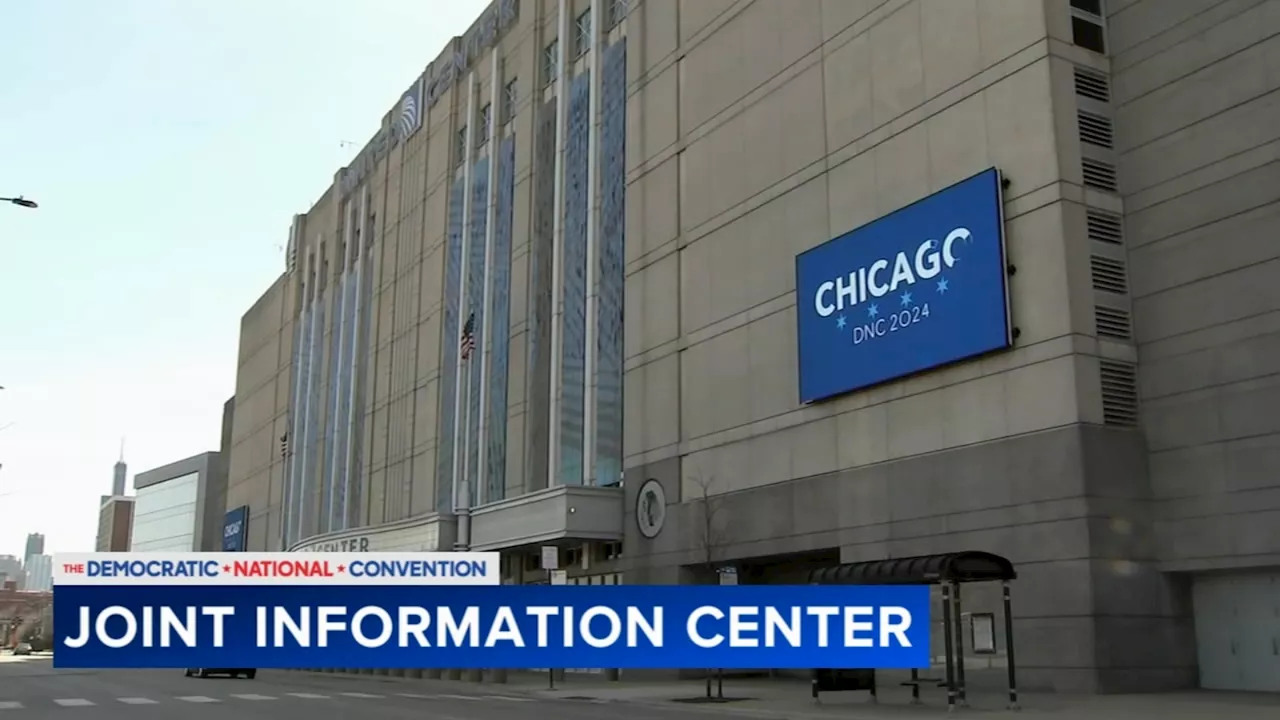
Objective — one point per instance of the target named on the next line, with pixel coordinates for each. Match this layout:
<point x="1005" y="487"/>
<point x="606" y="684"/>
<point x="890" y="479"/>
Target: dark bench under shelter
<point x="950" y="570"/>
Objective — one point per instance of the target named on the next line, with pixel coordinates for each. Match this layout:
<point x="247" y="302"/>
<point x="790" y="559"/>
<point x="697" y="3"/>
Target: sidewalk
<point x="791" y="700"/>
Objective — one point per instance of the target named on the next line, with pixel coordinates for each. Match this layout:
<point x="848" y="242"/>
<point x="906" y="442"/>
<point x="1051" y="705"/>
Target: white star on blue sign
<point x="943" y="285"/>
<point x="840" y="322"/>
<point x="906" y="299"/>
<point x="873" y="311"/>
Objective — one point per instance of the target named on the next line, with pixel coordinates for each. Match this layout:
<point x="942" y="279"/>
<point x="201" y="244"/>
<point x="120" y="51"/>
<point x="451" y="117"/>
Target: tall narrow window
<point x="510" y="96"/>
<point x="324" y="268"/>
<point x="617" y="11"/>
<point x="582" y="34"/>
<point x="1088" y="26"/>
<point x="482" y="132"/>
<point x="551" y="62"/>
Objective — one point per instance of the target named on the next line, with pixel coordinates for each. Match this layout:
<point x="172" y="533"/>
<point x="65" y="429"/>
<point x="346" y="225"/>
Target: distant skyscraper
<point x="38" y="574"/>
<point x="120" y="474"/>
<point x="35" y="546"/>
<point x="10" y="570"/>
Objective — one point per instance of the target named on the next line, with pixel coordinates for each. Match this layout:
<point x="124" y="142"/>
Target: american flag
<point x="469" y="337"/>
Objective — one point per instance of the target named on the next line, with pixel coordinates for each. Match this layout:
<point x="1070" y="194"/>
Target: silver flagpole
<point x="463" y="542"/>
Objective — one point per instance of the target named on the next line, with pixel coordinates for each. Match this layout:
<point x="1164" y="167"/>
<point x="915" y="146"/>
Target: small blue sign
<point x="235" y="529"/>
<point x="922" y="287"/>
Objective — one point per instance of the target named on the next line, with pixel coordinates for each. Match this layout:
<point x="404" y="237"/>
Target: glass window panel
<point x="573" y="351"/>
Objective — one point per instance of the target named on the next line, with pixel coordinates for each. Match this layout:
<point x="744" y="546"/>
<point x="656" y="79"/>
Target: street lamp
<point x="21" y="202"/>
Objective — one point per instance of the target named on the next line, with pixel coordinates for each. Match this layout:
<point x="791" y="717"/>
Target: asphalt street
<point x="32" y="689"/>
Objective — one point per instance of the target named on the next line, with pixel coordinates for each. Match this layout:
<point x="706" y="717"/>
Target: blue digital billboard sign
<point x="235" y="529"/>
<point x="917" y="289"/>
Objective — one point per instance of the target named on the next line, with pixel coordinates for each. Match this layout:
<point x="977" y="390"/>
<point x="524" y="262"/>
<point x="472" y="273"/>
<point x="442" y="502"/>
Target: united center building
<point x="606" y="240"/>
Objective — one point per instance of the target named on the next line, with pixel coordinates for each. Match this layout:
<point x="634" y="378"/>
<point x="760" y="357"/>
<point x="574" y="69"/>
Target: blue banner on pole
<point x="917" y="289"/>
<point x="354" y="626"/>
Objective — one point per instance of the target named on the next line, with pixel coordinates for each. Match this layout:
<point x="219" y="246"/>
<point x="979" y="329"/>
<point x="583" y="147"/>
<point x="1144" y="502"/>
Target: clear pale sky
<point x="169" y="143"/>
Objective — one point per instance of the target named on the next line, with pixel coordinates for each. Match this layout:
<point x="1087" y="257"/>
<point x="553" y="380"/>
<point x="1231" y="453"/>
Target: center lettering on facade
<point x="488" y="30"/>
<point x="357" y="544"/>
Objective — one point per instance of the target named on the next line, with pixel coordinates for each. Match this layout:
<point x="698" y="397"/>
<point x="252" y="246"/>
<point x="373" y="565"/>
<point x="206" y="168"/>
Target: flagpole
<point x="463" y="512"/>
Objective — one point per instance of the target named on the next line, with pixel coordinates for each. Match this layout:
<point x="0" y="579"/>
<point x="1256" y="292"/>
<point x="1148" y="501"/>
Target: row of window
<point x="510" y="95"/>
<point x="572" y="557"/>
<point x="617" y="11"/>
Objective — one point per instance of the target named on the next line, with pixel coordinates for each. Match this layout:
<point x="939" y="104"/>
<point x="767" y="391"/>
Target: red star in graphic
<point x="342" y="568"/>
<point x="226" y="568"/>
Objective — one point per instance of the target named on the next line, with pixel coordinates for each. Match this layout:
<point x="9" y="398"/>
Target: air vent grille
<point x="1093" y="85"/>
<point x="1109" y="274"/>
<point x="1119" y="392"/>
<point x="1113" y="323"/>
<point x="1105" y="227"/>
<point x="1095" y="129"/>
<point x="1099" y="175"/>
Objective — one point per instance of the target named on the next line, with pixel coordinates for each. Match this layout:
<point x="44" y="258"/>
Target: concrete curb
<point x="585" y="695"/>
<point x="459" y="686"/>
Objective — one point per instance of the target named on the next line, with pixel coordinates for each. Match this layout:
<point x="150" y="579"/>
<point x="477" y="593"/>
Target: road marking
<point x="508" y="698"/>
<point x="10" y="705"/>
<point x="416" y="696"/>
<point x="198" y="699"/>
<point x="308" y="696"/>
<point x="459" y="697"/>
<point x="138" y="701"/>
<point x="252" y="696"/>
<point x="360" y="695"/>
<point x="73" y="702"/>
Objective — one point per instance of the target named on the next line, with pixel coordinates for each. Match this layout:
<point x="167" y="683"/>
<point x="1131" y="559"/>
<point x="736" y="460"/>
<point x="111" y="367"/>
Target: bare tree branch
<point x="711" y="537"/>
<point x="711" y="530"/>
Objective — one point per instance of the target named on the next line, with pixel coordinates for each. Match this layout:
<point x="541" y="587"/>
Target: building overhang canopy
<point x="964" y="567"/>
<point x="564" y="512"/>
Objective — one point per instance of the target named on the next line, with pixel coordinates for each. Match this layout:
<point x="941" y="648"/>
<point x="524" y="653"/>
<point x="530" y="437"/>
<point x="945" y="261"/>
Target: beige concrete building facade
<point x="564" y="164"/>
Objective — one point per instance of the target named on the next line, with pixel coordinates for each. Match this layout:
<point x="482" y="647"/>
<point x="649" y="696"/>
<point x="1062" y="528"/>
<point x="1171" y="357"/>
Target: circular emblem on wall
<point x="651" y="508"/>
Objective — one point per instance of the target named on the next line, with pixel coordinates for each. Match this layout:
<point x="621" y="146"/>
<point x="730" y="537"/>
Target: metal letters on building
<point x="355" y="544"/>
<point x="386" y="138"/>
<point x="496" y="20"/>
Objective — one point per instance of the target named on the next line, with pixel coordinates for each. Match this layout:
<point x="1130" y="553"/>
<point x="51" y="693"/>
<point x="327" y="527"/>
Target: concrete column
<point x="475" y="676"/>
<point x="565" y="36"/>
<point x="498" y="676"/>
<point x="361" y="266"/>
<point x="590" y="384"/>
<point x="481" y="492"/>
<point x="434" y="673"/>
<point x="453" y="674"/>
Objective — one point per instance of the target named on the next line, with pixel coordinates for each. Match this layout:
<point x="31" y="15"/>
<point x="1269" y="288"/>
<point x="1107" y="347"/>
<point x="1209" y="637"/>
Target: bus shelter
<point x="950" y="571"/>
